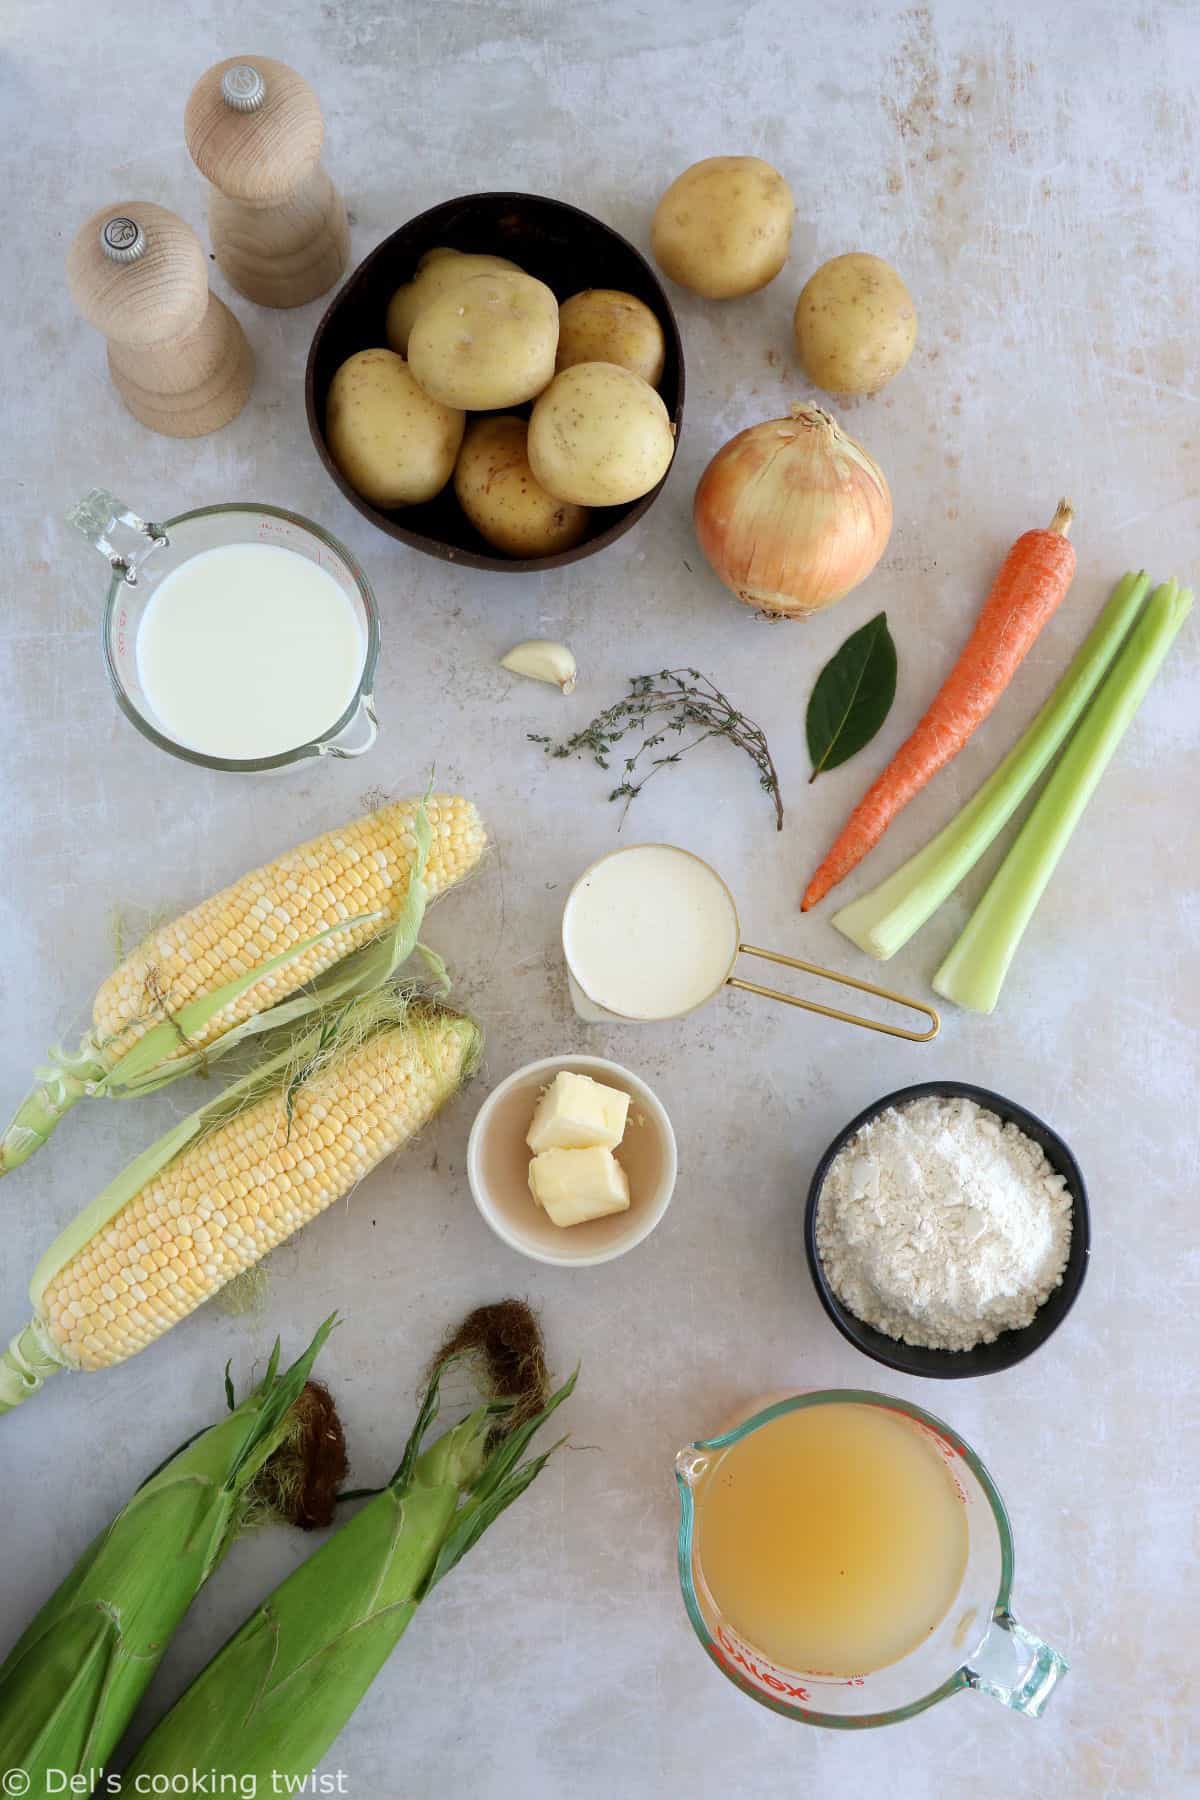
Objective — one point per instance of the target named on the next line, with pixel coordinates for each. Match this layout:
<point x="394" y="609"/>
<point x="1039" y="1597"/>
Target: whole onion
<point x="793" y="513"/>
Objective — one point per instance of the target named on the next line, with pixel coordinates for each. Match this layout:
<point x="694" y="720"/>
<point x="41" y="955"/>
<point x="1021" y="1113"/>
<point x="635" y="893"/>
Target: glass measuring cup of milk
<point x="857" y="1533"/>
<point x="239" y="637"/>
<point x="651" y="932"/>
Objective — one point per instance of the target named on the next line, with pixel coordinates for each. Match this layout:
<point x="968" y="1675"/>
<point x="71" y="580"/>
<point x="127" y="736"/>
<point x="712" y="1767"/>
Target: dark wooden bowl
<point x="565" y="248"/>
<point x="1011" y="1346"/>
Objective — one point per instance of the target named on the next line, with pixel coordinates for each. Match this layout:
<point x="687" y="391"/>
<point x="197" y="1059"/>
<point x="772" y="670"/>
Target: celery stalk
<point x="973" y="973"/>
<point x="882" y="921"/>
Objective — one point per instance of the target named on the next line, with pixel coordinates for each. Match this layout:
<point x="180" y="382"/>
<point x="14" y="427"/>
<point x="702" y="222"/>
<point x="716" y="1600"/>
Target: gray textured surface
<point x="1034" y="182"/>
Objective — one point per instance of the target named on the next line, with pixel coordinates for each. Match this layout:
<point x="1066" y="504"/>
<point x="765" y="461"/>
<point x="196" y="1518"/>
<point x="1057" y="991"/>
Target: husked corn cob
<point x="147" y="1254"/>
<point x="326" y="922"/>
<point x="241" y="1191"/>
<point x="363" y="867"/>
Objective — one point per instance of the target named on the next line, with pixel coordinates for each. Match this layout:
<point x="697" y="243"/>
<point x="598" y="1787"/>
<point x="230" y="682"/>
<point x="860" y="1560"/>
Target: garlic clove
<point x="542" y="660"/>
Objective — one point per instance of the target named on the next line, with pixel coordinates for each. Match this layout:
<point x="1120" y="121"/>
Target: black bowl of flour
<point x="1011" y="1346"/>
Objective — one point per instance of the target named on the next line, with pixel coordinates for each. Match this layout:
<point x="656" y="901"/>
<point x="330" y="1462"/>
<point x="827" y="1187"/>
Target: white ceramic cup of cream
<point x="649" y="932"/>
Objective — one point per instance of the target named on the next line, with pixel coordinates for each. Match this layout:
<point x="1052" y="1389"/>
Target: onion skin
<point x="792" y="514"/>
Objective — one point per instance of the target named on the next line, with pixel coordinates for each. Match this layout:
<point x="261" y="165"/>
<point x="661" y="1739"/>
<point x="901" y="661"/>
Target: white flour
<point x="940" y="1225"/>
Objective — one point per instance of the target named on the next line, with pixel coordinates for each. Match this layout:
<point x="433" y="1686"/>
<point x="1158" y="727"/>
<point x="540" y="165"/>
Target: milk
<point x="650" y="932"/>
<point x="249" y="650"/>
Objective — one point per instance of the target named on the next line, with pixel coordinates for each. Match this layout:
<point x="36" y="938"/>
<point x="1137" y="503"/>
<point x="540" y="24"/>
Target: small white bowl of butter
<point x="598" y="1132"/>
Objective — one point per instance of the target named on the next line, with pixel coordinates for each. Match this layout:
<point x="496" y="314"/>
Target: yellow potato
<point x="724" y="227"/>
<point x="600" y="436"/>
<point x="605" y="325"/>
<point x="487" y="343"/>
<point x="855" y="324"/>
<point x="437" y="272"/>
<point x="502" y="497"/>
<point x="394" y="445"/>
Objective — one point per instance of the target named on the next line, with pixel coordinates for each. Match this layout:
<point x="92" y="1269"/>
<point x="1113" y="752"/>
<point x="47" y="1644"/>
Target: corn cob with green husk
<point x="271" y="1702"/>
<point x="70" y="1685"/>
<point x="334" y="918"/>
<point x="236" y="1179"/>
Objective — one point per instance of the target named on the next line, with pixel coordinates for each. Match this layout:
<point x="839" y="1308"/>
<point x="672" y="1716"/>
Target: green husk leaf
<point x="498" y="1486"/>
<point x="278" y="1693"/>
<point x="301" y="1057"/>
<point x="155" y="1060"/>
<point x="141" y="1070"/>
<point x="852" y="696"/>
<point x="882" y="921"/>
<point x="360" y="973"/>
<point x="513" y="1446"/>
<point x="32" y="1355"/>
<point x="69" y="1686"/>
<point x="274" y="1699"/>
<point x="973" y="973"/>
<point x="429" y="1409"/>
<point x="471" y="1523"/>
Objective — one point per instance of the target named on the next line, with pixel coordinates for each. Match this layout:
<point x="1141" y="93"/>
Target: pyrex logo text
<point x="732" y="1652"/>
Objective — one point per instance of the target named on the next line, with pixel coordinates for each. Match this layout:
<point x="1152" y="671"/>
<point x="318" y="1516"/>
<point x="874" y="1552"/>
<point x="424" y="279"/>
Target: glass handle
<point x="122" y="538"/>
<point x="691" y="1464"/>
<point x="1016" y="1668"/>
<point x="364" y="718"/>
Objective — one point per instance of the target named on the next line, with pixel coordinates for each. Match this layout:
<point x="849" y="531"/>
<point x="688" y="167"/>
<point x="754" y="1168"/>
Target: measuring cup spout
<point x="1014" y="1667"/>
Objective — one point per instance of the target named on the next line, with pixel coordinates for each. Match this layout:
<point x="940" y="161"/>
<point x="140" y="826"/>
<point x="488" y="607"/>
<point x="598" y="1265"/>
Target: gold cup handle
<point x="833" y="1012"/>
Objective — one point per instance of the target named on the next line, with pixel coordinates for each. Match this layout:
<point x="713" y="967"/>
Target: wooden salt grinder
<point x="279" y="231"/>
<point x="177" y="356"/>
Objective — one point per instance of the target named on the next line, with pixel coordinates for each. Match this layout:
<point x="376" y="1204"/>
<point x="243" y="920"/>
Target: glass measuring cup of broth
<point x="239" y="637"/>
<point x="846" y="1560"/>
<point x="651" y="932"/>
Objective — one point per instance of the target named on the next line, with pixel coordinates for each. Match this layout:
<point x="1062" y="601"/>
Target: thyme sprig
<point x="662" y="706"/>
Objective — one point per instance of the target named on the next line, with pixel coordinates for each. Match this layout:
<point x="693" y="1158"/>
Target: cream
<point x="650" y="932"/>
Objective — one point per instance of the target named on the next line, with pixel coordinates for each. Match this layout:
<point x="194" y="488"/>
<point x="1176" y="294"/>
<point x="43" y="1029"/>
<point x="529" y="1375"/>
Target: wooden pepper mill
<point x="279" y="231"/>
<point x="178" y="357"/>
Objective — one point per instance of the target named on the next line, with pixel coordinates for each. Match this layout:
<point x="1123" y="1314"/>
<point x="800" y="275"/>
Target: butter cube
<point x="577" y="1113"/>
<point x="577" y="1185"/>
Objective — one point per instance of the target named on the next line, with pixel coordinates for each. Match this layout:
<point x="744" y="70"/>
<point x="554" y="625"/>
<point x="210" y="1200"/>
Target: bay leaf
<point x="852" y="696"/>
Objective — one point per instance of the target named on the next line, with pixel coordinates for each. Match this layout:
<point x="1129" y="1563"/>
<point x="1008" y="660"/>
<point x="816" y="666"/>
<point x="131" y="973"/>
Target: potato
<point x="600" y="436"/>
<point x="487" y="343"/>
<point x="394" y="445"/>
<point x="724" y="227"/>
<point x="605" y="325"/>
<point x="437" y="272"/>
<point x="502" y="497"/>
<point x="855" y="324"/>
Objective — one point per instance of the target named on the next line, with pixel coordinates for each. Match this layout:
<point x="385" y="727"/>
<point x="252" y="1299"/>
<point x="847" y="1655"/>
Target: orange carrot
<point x="1033" y="578"/>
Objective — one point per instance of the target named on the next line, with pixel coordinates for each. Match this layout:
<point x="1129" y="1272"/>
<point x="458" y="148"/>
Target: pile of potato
<point x="476" y="334"/>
